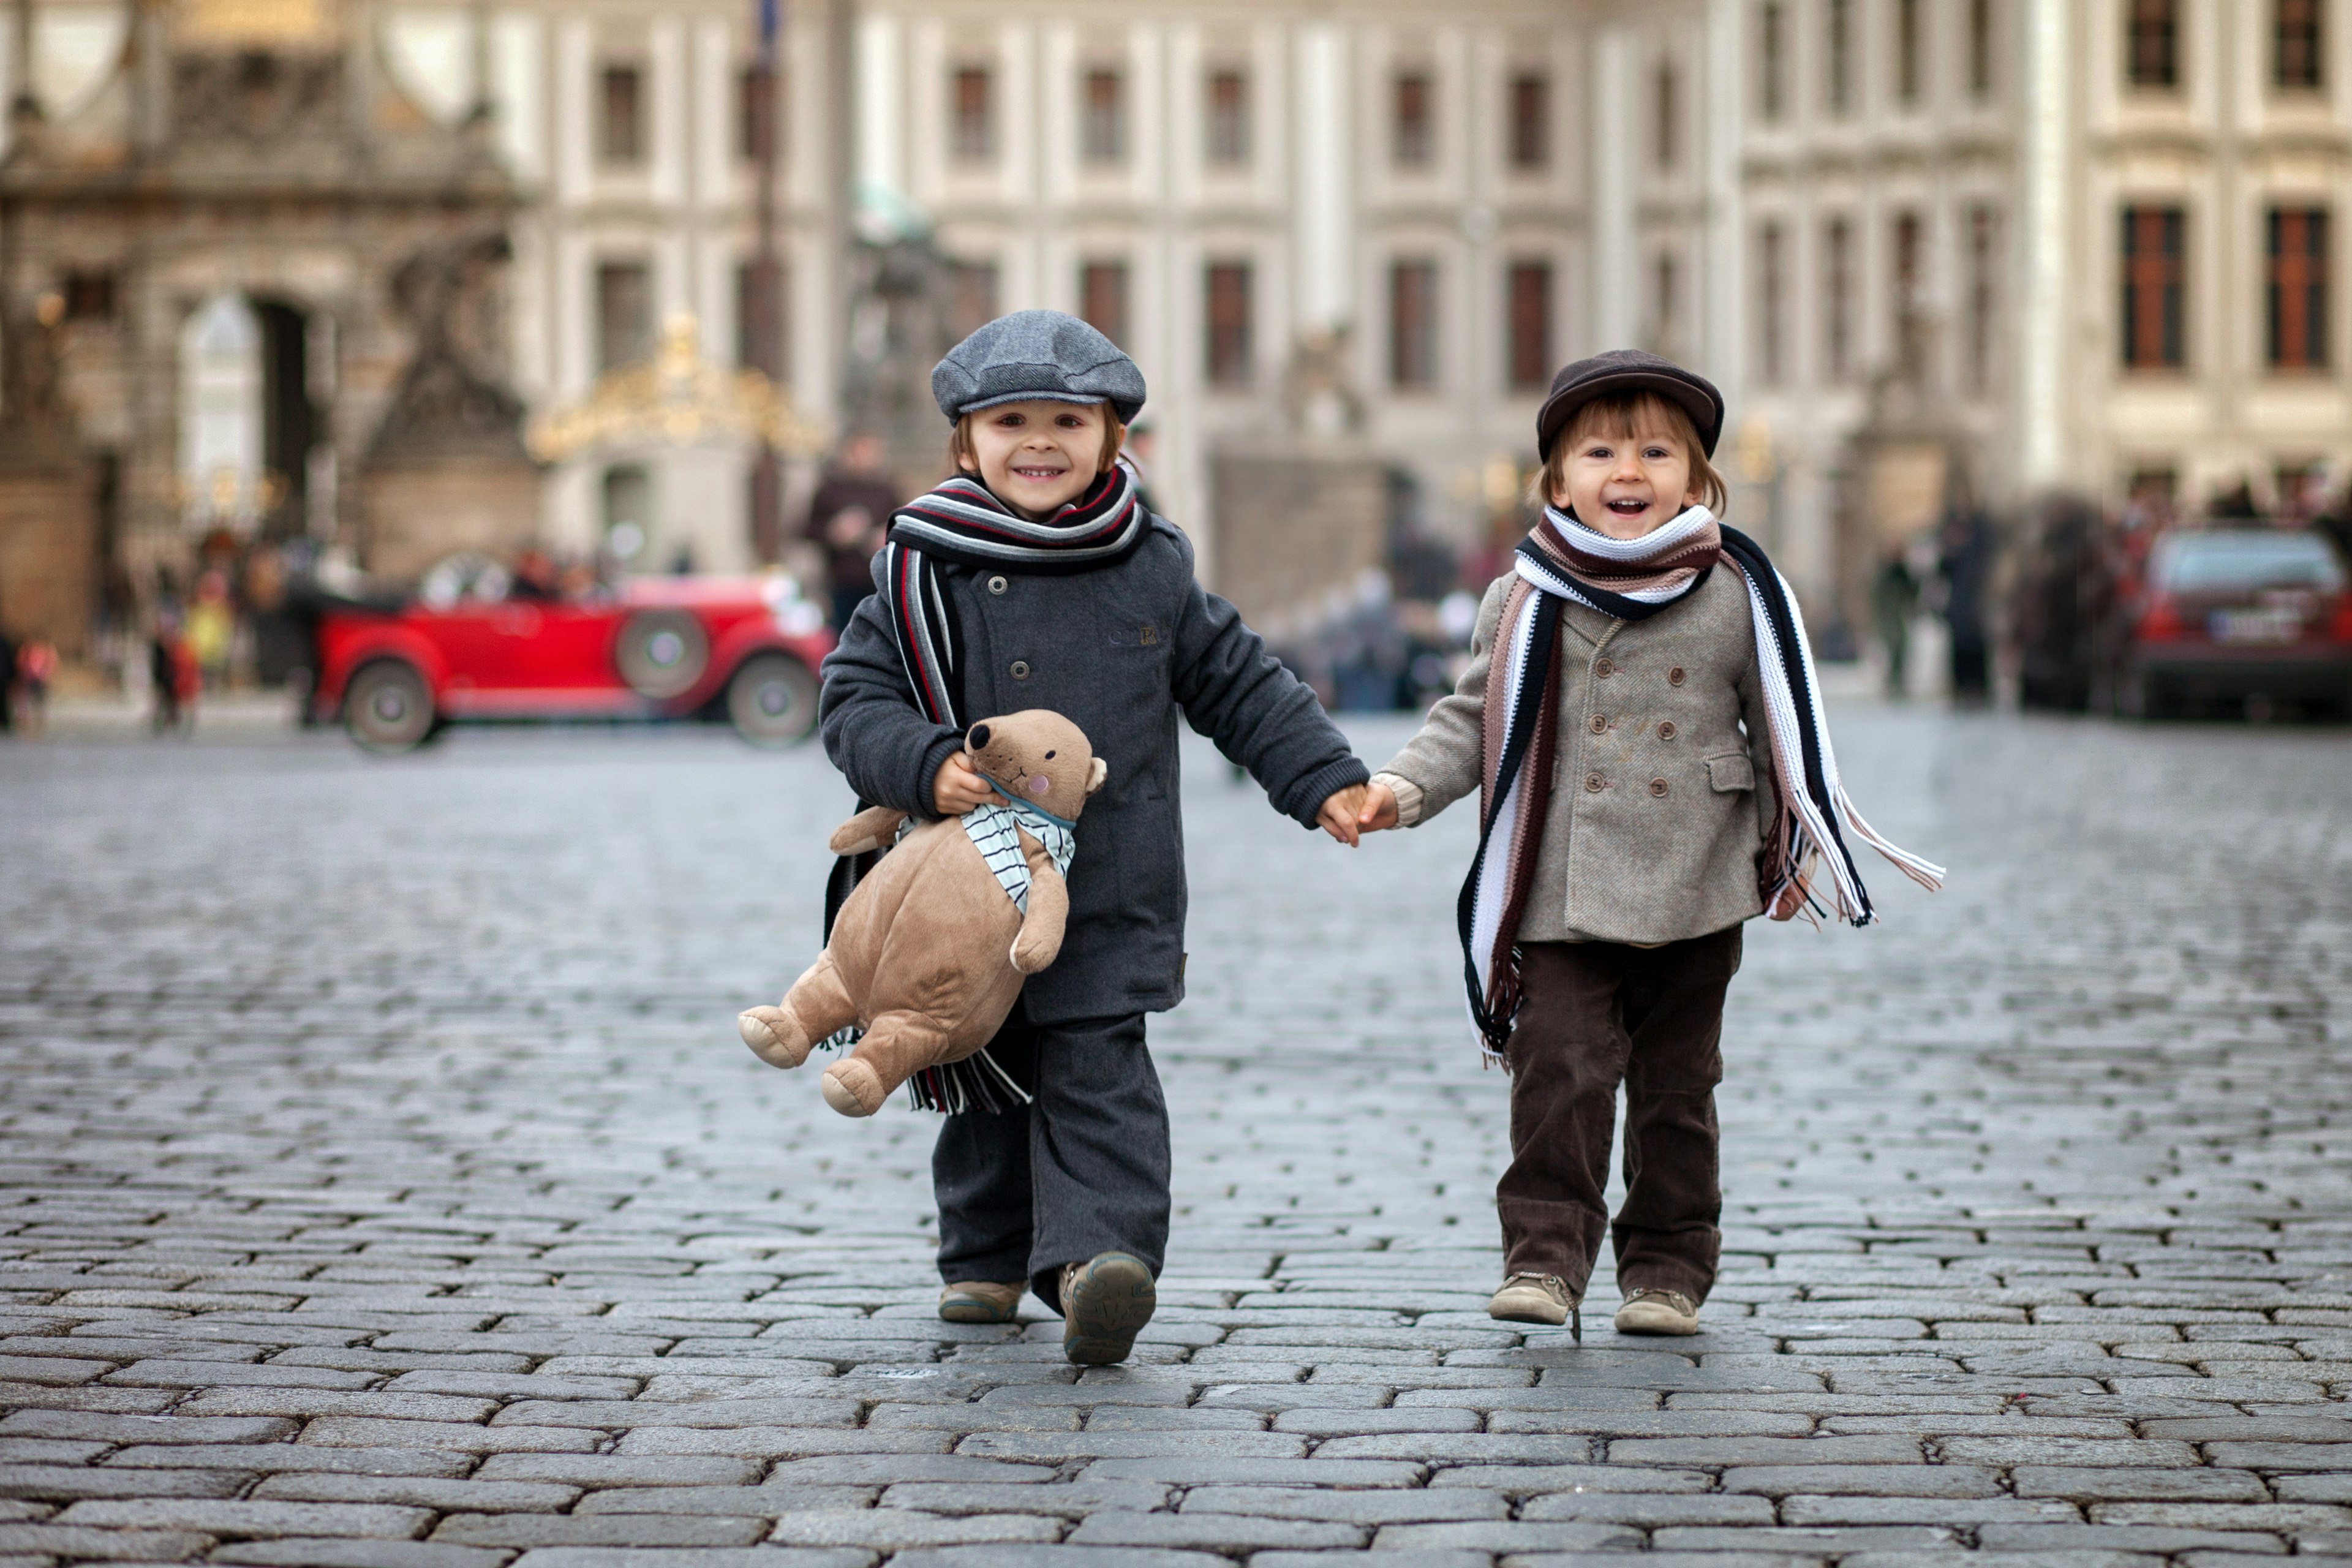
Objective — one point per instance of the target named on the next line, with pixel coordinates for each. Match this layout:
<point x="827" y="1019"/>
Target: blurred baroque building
<point x="1934" y="249"/>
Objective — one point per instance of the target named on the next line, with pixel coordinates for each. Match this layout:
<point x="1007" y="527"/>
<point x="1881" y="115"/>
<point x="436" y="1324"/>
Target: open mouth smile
<point x="1628" y="508"/>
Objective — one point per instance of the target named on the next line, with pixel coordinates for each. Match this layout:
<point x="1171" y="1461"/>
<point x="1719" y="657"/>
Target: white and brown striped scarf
<point x="1561" y="561"/>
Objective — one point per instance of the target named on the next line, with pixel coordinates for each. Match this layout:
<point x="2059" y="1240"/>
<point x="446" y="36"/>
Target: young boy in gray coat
<point x="1035" y="578"/>
<point x="1640" y="721"/>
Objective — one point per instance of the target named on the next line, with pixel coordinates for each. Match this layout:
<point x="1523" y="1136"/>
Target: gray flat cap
<point x="1037" y="354"/>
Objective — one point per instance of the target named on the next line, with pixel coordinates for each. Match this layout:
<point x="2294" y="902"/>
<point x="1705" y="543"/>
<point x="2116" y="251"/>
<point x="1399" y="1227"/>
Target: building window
<point x="621" y="122"/>
<point x="1906" y="237"/>
<point x="1982" y="302"/>
<point x="1980" y="49"/>
<point x="1102" y="298"/>
<point x="749" y="305"/>
<point x="1530" y="120"/>
<point x="2299" y="288"/>
<point x="1771" y="305"/>
<point x="1771" y="61"/>
<point x="1229" y="118"/>
<point x="1102" y="124"/>
<point x="1227" y="285"/>
<point x="974" y="114"/>
<point x="1837" y="299"/>
<point x="2152" y="43"/>
<point x="2154" y="335"/>
<point x="971" y="297"/>
<point x="1908" y="44"/>
<point x="756" y="125"/>
<point x="624" y="314"/>
<point x="2294" y="44"/>
<point x="1666" y="134"/>
<point x="1837" y="63"/>
<point x="628" y="510"/>
<point x="1412" y="325"/>
<point x="1665" y="305"/>
<point x="88" y="295"/>
<point x="1413" y="133"/>
<point x="1530" y="326"/>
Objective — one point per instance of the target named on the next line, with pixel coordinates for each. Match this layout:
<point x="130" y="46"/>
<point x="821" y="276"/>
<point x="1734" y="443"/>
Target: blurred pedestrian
<point x="1893" y="600"/>
<point x="1967" y="569"/>
<point x="209" y="632"/>
<point x="850" y="508"/>
<point x="7" y="674"/>
<point x="174" y="676"/>
<point x="36" y="665"/>
<point x="1639" y="726"/>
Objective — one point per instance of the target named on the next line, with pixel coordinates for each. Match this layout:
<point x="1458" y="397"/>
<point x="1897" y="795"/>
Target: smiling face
<point x="1626" y="469"/>
<point x="1037" y="457"/>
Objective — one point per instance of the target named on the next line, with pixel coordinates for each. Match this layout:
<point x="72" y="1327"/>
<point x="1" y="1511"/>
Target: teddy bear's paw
<point x="774" y="1036"/>
<point x="854" y="1089"/>
<point x="1033" y="957"/>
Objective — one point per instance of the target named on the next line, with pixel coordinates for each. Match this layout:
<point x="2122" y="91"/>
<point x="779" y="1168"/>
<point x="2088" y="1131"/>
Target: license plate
<point x="2274" y="626"/>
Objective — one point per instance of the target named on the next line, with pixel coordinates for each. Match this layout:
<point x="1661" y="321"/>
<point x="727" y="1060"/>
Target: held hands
<point x="1379" y="809"/>
<point x="1339" y="815"/>
<point x="958" y="787"/>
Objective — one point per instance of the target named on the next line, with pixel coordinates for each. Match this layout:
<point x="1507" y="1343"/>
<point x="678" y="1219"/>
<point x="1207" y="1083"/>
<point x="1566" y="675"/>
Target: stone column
<point x="2046" y="98"/>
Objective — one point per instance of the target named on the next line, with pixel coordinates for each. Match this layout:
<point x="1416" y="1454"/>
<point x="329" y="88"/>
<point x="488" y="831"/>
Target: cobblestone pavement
<point x="381" y="1184"/>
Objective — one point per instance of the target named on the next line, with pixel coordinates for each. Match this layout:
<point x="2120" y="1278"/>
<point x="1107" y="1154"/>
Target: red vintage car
<point x="745" y="650"/>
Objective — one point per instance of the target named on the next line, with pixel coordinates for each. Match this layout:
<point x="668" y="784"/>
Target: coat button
<point x="1674" y="676"/>
<point x="1600" y="724"/>
<point x="1595" y="783"/>
<point x="1666" y="732"/>
<point x="997" y="584"/>
<point x="1020" y="670"/>
<point x="1658" y="788"/>
<point x="1604" y="670"/>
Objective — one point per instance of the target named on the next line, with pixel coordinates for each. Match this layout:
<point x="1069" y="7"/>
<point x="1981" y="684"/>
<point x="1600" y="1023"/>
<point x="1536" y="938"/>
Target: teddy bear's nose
<point x="979" y="736"/>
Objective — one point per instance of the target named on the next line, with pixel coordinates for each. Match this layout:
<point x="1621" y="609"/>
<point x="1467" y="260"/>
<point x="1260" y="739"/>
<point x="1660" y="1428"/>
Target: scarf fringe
<point x="975" y="1083"/>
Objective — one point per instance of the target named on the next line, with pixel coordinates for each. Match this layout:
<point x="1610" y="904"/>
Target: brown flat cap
<point x="1629" y="370"/>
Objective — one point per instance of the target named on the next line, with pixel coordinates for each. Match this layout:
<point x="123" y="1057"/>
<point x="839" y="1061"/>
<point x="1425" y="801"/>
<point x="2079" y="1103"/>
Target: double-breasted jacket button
<point x="1020" y="670"/>
<point x="997" y="584"/>
<point x="1658" y="788"/>
<point x="1666" y="732"/>
<point x="1674" y="677"/>
<point x="1604" y="670"/>
<point x="1595" y="783"/>
<point x="1600" y="724"/>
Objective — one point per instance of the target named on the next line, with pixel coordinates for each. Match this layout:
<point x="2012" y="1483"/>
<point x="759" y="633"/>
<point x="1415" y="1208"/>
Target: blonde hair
<point x="964" y="459"/>
<point x="1621" y="416"/>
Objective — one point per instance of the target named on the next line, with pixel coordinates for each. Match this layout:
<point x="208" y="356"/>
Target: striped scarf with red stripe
<point x="963" y="523"/>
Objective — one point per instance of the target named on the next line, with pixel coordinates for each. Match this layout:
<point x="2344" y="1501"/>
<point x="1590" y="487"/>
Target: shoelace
<point x="1675" y="1298"/>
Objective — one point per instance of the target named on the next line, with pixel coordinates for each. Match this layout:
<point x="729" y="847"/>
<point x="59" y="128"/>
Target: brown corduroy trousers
<point x="1593" y="1013"/>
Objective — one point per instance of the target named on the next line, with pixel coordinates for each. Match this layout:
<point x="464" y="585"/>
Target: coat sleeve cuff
<point x="1408" y="796"/>
<point x="935" y="756"/>
<point x="1325" y="781"/>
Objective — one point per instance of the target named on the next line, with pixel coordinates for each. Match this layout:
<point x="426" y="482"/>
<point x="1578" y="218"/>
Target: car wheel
<point x="772" y="700"/>
<point x="662" y="653"/>
<point x="387" y="708"/>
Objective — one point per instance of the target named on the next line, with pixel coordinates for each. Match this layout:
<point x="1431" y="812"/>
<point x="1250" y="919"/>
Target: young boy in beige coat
<point x="1641" y="720"/>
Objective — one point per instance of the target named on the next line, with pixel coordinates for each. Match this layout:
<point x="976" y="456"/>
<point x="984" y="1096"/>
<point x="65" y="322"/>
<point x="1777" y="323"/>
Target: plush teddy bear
<point x="929" y="952"/>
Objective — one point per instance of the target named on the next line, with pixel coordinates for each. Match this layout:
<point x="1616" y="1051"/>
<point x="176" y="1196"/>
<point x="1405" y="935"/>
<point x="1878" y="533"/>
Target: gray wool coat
<point x="1122" y="652"/>
<point x="1659" y="803"/>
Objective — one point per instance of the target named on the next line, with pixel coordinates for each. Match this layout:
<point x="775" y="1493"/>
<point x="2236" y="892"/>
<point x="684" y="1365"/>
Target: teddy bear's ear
<point x="1096" y="775"/>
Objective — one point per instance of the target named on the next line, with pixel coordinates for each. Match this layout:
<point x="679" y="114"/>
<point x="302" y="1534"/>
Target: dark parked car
<point x="2254" y="620"/>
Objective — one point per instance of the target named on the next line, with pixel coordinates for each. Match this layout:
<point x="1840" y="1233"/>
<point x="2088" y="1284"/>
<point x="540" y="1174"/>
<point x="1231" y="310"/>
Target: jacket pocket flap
<point x="1730" y="771"/>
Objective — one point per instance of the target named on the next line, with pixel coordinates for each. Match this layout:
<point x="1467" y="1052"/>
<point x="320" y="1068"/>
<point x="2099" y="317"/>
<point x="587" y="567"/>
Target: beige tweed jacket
<point x="1661" y="802"/>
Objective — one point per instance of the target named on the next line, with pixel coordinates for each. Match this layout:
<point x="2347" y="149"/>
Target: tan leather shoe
<point x="980" y="1301"/>
<point x="1538" y="1299"/>
<point x="1106" y="1301"/>
<point x="1651" y="1311"/>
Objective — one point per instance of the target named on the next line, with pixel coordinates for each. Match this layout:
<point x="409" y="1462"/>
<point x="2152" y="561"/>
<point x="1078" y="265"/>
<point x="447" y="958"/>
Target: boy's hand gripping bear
<point x="929" y="952"/>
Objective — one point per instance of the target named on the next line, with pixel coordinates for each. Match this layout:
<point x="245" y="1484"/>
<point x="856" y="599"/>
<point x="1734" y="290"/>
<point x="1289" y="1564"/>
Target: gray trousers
<point x="1081" y="1170"/>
